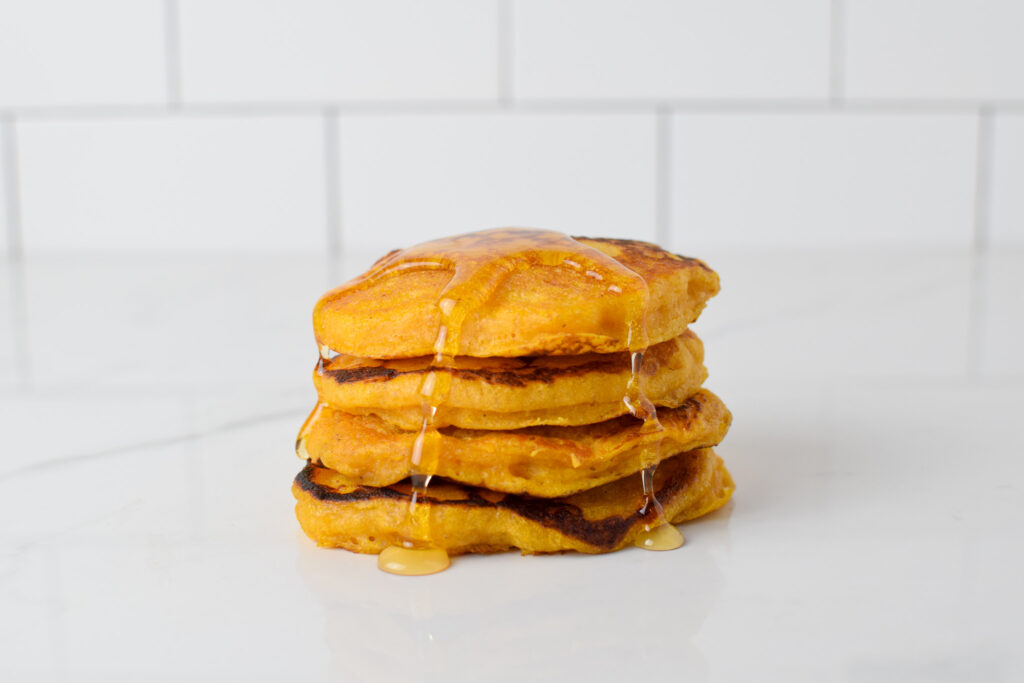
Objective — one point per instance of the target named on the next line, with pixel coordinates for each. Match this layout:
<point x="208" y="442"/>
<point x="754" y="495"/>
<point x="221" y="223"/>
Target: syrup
<point x="300" y="440"/>
<point x="478" y="264"/>
<point x="664" y="537"/>
<point x="412" y="561"/>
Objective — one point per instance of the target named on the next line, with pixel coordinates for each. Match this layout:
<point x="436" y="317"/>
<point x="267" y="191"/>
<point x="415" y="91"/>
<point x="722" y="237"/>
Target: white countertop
<point x="148" y="408"/>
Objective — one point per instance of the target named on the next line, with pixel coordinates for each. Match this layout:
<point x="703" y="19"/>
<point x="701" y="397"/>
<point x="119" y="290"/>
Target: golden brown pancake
<point x="539" y="461"/>
<point x="565" y="302"/>
<point x="511" y="393"/>
<point x="467" y="519"/>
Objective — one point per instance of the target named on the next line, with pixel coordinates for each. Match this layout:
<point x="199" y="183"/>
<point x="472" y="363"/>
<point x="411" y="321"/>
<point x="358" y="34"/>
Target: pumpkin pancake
<point x="555" y="296"/>
<point x="511" y="393"/>
<point x="539" y="461"/>
<point x="466" y="519"/>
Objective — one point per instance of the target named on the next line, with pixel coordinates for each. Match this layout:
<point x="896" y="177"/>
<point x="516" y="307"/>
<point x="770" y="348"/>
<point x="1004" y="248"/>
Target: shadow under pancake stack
<point x="511" y="389"/>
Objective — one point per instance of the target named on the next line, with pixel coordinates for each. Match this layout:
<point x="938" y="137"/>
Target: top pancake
<point x="559" y="296"/>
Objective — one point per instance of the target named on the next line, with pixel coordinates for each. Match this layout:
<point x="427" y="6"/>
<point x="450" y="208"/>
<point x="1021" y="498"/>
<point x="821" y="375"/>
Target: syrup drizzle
<point x="300" y="440"/>
<point x="478" y="264"/>
<point x="419" y="562"/>
<point x="664" y="537"/>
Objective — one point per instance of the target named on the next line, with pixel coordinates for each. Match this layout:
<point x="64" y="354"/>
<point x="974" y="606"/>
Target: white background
<point x="181" y="179"/>
<point x="287" y="126"/>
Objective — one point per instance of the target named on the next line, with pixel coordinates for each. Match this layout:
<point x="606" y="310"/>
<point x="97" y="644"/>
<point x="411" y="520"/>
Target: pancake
<point x="517" y="392"/>
<point x="556" y="296"/>
<point x="467" y="519"/>
<point x="539" y="461"/>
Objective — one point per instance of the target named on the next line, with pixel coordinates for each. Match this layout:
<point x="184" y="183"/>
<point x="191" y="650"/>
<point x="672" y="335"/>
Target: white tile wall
<point x="422" y="119"/>
<point x="238" y="50"/>
<point x="406" y="178"/>
<point x="938" y="49"/>
<point x="827" y="179"/>
<point x="667" y="49"/>
<point x="1007" y="216"/>
<point x="173" y="183"/>
<point x="68" y="52"/>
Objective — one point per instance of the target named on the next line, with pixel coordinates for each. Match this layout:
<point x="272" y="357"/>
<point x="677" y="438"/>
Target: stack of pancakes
<point x="537" y="449"/>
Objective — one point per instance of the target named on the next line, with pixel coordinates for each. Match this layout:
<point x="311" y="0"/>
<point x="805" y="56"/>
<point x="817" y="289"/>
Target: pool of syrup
<point x="478" y="263"/>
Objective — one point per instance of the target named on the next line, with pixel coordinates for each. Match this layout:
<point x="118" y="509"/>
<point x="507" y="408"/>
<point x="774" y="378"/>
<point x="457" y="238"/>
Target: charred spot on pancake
<point x="690" y="408"/>
<point x="510" y="377"/>
<point x="305" y="481"/>
<point x="528" y="374"/>
<point x="374" y="373"/>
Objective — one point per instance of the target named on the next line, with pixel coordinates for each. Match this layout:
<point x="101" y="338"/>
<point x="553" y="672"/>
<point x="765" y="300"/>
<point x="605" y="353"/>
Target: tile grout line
<point x="332" y="193"/>
<point x="16" y="246"/>
<point x="506" y="55"/>
<point x="836" y="51"/>
<point x="663" y="175"/>
<point x="172" y="52"/>
<point x="524" y="106"/>
<point x="983" y="179"/>
<point x="984" y="157"/>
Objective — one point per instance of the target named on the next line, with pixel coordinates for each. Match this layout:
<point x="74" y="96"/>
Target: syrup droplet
<point x="664" y="537"/>
<point x="412" y="561"/>
<point x="307" y="426"/>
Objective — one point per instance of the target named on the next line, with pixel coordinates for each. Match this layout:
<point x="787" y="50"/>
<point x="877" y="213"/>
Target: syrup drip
<point x="656" y="534"/>
<point x="300" y="440"/>
<point x="664" y="537"/>
<point x="412" y="561"/>
<point x="478" y="264"/>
